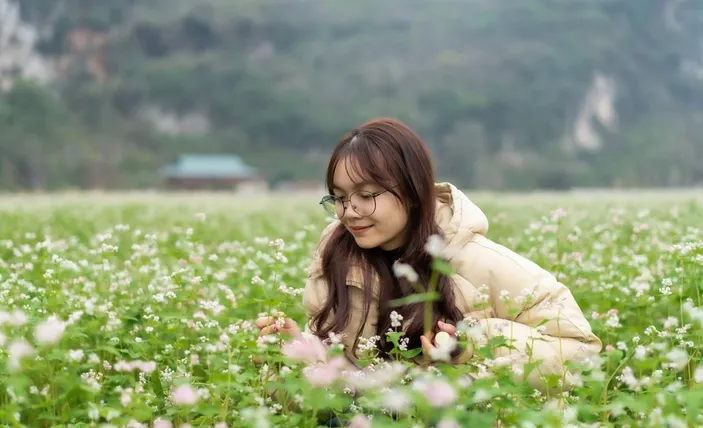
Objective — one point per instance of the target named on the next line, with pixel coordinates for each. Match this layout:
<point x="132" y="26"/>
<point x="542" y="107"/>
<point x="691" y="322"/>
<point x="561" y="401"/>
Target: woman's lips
<point x="359" y="229"/>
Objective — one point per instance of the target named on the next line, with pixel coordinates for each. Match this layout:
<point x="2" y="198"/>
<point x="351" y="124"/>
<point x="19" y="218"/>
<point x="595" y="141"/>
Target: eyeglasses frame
<point x="344" y="203"/>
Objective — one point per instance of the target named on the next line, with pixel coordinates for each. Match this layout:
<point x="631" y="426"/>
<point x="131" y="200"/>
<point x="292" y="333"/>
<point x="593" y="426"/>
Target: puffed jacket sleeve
<point x="536" y="313"/>
<point x="315" y="295"/>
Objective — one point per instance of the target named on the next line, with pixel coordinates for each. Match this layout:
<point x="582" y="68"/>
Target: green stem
<point x="429" y="303"/>
<point x="225" y="411"/>
<point x="604" y="394"/>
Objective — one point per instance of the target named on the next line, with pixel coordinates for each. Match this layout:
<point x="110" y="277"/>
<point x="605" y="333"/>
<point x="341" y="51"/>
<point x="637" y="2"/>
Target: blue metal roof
<point x="210" y="166"/>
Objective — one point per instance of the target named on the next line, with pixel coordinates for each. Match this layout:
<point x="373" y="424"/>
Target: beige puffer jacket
<point x="484" y="272"/>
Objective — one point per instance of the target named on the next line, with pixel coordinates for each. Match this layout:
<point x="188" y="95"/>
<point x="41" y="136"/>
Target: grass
<point x="129" y="309"/>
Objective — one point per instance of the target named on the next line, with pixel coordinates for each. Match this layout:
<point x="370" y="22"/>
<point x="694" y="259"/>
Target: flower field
<point x="138" y="311"/>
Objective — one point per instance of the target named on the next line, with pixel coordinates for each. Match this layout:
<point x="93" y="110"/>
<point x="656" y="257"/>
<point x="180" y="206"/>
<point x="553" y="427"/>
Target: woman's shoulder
<point x="483" y="262"/>
<point x="481" y="252"/>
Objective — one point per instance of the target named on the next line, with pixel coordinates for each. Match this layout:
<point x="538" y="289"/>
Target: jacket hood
<point x="458" y="217"/>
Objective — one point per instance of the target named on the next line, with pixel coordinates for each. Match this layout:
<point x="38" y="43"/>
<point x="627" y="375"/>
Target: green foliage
<point x="480" y="80"/>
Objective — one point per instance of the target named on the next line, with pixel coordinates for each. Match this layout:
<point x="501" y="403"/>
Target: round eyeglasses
<point x="362" y="202"/>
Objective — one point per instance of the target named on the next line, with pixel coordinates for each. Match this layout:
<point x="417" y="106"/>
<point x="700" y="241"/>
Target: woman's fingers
<point x="271" y="329"/>
<point x="263" y="322"/>
<point x="426" y="347"/>
<point x="450" y="329"/>
<point x="268" y="325"/>
<point x="426" y="344"/>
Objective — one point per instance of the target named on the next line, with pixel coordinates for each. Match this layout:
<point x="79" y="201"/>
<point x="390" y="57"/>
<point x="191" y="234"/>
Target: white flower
<point x="397" y="400"/>
<point x="405" y="270"/>
<point x="698" y="376"/>
<point x="17" y="318"/>
<point x="443" y="350"/>
<point x="18" y="349"/>
<point x="75" y="355"/>
<point x="434" y="245"/>
<point x="613" y="321"/>
<point x="678" y="358"/>
<point x="640" y="352"/>
<point x="671" y="322"/>
<point x="396" y="319"/>
<point x="50" y="331"/>
<point x="471" y="328"/>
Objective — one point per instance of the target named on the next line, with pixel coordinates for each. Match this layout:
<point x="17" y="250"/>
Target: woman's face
<point x="385" y="226"/>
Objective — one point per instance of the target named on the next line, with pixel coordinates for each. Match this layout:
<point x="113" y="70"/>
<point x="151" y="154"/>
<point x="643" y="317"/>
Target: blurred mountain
<point x="508" y="94"/>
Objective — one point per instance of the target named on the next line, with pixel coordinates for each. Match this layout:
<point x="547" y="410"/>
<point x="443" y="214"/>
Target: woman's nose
<point x="351" y="212"/>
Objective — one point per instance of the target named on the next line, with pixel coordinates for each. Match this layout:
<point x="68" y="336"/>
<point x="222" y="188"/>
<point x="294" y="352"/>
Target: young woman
<point x="382" y="191"/>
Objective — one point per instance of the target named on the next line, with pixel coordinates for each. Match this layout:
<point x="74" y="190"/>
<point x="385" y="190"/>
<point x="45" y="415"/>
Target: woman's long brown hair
<point x="387" y="152"/>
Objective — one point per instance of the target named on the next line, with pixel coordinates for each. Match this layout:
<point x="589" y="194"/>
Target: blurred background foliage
<point x="508" y="94"/>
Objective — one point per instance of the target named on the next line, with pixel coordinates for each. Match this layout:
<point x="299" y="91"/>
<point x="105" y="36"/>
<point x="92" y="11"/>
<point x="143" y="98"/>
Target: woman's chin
<point x="366" y="242"/>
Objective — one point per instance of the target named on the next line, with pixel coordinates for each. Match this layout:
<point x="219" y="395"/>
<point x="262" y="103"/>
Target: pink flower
<point x="125" y="399"/>
<point x="359" y="421"/>
<point x="325" y="374"/>
<point x="160" y="423"/>
<point x="439" y="393"/>
<point x="376" y="378"/>
<point x="146" y="367"/>
<point x="558" y="213"/>
<point x="184" y="395"/>
<point x="321" y="376"/>
<point x="448" y="423"/>
<point x="308" y="349"/>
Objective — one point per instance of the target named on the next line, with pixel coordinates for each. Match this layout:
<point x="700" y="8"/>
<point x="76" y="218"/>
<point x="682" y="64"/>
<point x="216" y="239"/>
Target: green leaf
<point x="109" y="349"/>
<point x="543" y="322"/>
<point x="414" y="298"/>
<point x="411" y="353"/>
<point x="481" y="419"/>
<point x="156" y="384"/>
<point x="442" y="266"/>
<point x="529" y="367"/>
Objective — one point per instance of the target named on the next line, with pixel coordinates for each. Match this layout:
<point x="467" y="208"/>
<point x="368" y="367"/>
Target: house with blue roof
<point x="210" y="172"/>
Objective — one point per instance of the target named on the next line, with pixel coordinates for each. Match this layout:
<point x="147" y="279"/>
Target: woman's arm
<point x="536" y="313"/>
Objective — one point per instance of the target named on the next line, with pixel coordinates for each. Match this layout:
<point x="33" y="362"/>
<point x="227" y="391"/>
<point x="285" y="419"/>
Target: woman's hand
<point x="274" y="324"/>
<point x="278" y="324"/>
<point x="431" y="350"/>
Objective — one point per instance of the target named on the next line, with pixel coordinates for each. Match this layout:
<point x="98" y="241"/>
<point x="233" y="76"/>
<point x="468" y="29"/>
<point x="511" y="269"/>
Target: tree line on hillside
<point x="509" y="95"/>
